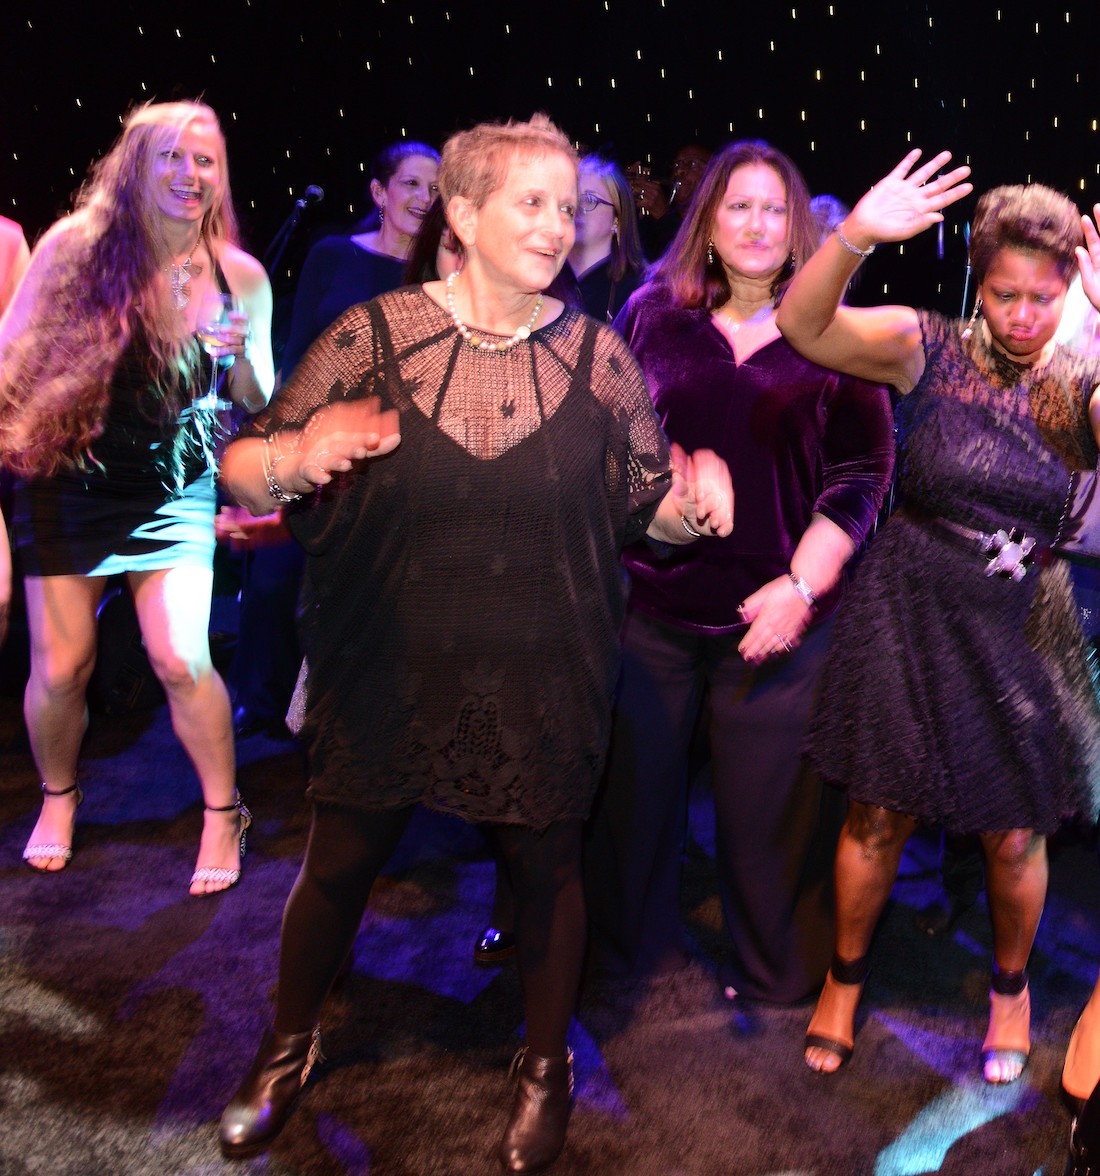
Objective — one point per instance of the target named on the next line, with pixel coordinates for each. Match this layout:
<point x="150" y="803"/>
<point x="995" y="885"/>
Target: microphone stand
<point x="274" y="252"/>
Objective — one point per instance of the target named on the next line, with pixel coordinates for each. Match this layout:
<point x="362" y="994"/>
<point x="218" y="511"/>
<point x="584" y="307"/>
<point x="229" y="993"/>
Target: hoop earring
<point x="710" y="253"/>
<point x="968" y="330"/>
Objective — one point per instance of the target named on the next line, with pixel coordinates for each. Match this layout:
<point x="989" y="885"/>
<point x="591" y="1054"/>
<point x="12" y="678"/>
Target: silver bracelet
<point x="806" y="594"/>
<point x="864" y="253"/>
<point x="273" y="488"/>
<point x="689" y="528"/>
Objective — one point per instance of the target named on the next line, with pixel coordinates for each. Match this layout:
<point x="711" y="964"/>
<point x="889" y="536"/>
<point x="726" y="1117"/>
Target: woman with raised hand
<point x="957" y="691"/>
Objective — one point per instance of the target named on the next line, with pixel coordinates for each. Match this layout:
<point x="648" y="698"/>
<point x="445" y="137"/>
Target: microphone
<point x="312" y="195"/>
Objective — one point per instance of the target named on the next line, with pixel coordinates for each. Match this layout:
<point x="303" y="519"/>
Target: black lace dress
<point x="464" y="594"/>
<point x="955" y="696"/>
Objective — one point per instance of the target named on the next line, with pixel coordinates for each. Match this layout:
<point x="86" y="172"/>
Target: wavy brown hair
<point x="96" y="287"/>
<point x="684" y="270"/>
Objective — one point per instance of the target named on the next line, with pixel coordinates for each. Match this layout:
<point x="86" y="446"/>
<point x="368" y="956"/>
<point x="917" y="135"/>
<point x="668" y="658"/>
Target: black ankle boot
<point x="540" y="1112"/>
<point x="1084" y="1139"/>
<point x="260" y="1108"/>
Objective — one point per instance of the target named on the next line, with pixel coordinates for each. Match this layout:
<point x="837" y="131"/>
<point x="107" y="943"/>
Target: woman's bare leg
<point x="173" y="608"/>
<point x="1016" y="884"/>
<point x="61" y="612"/>
<point x="867" y="859"/>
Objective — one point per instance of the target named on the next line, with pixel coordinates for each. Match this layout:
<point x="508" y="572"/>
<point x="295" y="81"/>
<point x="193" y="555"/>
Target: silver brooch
<point x="1011" y="555"/>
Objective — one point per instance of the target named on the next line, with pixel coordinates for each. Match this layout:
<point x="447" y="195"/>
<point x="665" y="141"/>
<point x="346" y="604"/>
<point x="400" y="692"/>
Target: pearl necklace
<point x="476" y="341"/>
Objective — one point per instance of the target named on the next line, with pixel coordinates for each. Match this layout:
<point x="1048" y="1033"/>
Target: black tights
<point x="347" y="850"/>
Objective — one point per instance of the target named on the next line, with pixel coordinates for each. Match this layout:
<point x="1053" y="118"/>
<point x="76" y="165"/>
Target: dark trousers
<point x="267" y="659"/>
<point x="776" y="823"/>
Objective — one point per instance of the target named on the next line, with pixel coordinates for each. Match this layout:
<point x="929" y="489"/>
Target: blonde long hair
<point x="97" y="291"/>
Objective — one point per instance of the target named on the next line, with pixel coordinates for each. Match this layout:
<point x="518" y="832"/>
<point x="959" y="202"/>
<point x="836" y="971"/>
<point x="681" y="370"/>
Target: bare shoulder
<point x="245" y="274"/>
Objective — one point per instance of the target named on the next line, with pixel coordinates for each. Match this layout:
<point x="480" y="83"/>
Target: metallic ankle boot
<point x="540" y="1112"/>
<point x="260" y="1108"/>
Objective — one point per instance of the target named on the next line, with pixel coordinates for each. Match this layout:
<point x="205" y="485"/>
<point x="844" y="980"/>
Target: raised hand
<point x="906" y="201"/>
<point x="1088" y="257"/>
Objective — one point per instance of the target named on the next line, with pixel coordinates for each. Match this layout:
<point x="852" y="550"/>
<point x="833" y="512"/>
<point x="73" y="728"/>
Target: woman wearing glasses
<point x="607" y="257"/>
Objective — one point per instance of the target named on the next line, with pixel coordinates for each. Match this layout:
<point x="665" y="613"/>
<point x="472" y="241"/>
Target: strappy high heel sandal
<point x="847" y="973"/>
<point x="224" y="877"/>
<point x="1004" y="1059"/>
<point x="53" y="849"/>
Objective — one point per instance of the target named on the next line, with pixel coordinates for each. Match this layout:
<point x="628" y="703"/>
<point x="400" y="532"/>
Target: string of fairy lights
<point x="844" y="87"/>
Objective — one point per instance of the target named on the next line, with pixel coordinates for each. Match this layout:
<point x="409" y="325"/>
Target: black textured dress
<point x="955" y="696"/>
<point x="463" y="594"/>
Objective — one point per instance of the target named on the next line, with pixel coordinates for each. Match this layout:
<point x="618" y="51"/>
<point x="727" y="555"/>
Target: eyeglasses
<point x="589" y="202"/>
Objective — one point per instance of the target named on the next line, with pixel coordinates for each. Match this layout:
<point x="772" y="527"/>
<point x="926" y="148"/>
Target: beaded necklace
<point x="476" y="341"/>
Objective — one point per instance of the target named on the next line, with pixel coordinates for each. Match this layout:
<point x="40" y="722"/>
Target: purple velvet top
<point x="799" y="440"/>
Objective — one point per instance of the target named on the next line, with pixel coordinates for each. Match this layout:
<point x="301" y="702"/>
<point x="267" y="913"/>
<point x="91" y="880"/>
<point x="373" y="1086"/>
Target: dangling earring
<point x="968" y="330"/>
<point x="381" y="213"/>
<point x="710" y="253"/>
<point x="792" y="261"/>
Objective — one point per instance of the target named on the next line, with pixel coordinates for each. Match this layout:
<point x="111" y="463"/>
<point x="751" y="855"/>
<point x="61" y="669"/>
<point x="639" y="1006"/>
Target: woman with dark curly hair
<point x="103" y="421"/>
<point x="957" y="691"/>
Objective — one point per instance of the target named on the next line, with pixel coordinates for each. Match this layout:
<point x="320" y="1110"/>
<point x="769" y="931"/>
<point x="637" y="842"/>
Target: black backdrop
<point x="307" y="98"/>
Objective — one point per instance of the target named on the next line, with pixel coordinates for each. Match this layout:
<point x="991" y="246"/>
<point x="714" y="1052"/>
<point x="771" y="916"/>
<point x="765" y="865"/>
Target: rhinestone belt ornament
<point x="1011" y="553"/>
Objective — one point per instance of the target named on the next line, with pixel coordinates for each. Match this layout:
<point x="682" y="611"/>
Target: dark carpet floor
<point x="129" y="1010"/>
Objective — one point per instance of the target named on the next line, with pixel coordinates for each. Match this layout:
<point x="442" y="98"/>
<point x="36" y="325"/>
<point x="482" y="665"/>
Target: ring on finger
<point x="782" y="639"/>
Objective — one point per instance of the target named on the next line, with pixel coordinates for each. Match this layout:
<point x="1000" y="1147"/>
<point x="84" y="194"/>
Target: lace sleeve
<point x="646" y="473"/>
<point x="341" y="363"/>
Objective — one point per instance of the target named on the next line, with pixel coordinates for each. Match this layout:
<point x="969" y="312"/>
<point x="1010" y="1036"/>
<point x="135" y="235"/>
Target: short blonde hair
<point x="475" y="162"/>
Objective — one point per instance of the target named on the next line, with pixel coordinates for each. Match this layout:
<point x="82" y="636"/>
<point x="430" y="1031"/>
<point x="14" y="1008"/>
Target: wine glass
<point x="222" y="321"/>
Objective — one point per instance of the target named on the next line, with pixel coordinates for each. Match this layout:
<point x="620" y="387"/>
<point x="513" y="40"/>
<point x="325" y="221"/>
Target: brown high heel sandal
<point x="53" y="849"/>
<point x="846" y="972"/>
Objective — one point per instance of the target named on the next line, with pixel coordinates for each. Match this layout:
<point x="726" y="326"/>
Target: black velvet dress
<point x="955" y="696"/>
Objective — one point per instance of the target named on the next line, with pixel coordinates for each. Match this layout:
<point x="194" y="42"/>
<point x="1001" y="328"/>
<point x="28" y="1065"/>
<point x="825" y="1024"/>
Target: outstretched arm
<point x="261" y="473"/>
<point x="881" y="343"/>
<point x="699" y="502"/>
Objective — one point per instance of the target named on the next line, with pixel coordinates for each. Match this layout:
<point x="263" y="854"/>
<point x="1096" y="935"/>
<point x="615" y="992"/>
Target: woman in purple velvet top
<point x="735" y="633"/>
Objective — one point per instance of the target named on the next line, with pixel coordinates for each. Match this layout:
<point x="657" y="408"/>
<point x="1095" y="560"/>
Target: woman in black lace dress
<point x="463" y="596"/>
<point x="957" y="690"/>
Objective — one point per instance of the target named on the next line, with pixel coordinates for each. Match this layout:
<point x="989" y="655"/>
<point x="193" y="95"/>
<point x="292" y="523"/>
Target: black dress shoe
<point x="494" y="947"/>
